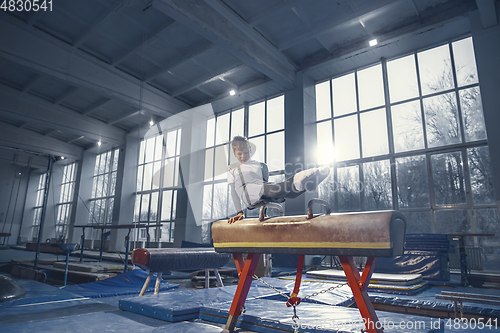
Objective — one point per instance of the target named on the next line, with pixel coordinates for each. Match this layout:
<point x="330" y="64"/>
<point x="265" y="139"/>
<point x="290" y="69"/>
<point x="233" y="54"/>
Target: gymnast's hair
<point x="239" y="140"/>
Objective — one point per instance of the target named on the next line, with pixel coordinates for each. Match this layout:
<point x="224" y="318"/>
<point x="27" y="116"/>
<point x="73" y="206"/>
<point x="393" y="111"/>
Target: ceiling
<point x="93" y="70"/>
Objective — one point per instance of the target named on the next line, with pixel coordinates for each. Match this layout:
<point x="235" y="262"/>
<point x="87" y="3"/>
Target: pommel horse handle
<point x="263" y="210"/>
<point x="310" y="204"/>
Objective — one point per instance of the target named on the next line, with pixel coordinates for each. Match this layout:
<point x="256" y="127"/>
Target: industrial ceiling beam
<point x="32" y="83"/>
<point x="487" y="12"/>
<point x="97" y="23"/>
<point x="278" y="7"/>
<point x="20" y="138"/>
<point x="75" y="139"/>
<point x="65" y="95"/>
<point x="94" y="107"/>
<point x="35" y="110"/>
<point x="47" y="55"/>
<point x="219" y="24"/>
<point x="162" y="29"/>
<point x="202" y="80"/>
<point x="178" y="61"/>
<point x="432" y="18"/>
<point x="331" y="26"/>
<point x="123" y="117"/>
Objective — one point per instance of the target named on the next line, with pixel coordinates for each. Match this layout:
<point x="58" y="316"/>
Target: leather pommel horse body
<point x="369" y="234"/>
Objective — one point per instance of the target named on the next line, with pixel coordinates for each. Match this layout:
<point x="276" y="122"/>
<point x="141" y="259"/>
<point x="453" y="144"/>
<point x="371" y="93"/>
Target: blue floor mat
<point x="268" y="316"/>
<point x="184" y="304"/>
<point x="37" y="292"/>
<point x="87" y="323"/>
<point x="128" y="283"/>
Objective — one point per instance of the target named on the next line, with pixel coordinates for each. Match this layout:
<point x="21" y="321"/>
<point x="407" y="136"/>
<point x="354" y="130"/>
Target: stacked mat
<point x="425" y="254"/>
<point x="401" y="284"/>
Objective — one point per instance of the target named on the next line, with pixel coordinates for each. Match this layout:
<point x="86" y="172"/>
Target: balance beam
<point x="370" y="234"/>
<point x="164" y="260"/>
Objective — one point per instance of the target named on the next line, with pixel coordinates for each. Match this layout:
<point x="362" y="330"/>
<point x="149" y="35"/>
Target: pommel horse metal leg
<point x="246" y="276"/>
<point x="359" y="286"/>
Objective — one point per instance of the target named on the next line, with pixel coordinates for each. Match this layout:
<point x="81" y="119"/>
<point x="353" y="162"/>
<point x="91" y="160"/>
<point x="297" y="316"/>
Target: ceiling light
<point x="232" y="92"/>
<point x="151" y="123"/>
<point x="99" y="143"/>
<point x="62" y="157"/>
<point x="373" y="42"/>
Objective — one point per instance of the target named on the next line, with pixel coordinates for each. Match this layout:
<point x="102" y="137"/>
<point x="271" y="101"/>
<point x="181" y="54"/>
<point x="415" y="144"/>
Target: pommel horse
<point x="368" y="234"/>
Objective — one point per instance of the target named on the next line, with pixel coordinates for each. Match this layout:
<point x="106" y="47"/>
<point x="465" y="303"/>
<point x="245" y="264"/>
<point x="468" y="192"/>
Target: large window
<point x="263" y="125"/>
<point x="409" y="134"/>
<point x="65" y="200"/>
<point x="37" y="218"/>
<point x="157" y="184"/>
<point x="103" y="189"/>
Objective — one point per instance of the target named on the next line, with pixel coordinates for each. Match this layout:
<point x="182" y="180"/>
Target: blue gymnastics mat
<point x="43" y="301"/>
<point x="189" y="327"/>
<point x="268" y="316"/>
<point x="37" y="292"/>
<point x="427" y="301"/>
<point x="184" y="304"/>
<point x="101" y="321"/>
<point x="122" y="284"/>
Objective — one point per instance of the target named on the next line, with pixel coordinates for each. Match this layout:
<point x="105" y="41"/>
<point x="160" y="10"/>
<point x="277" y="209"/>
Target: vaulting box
<point x="375" y="234"/>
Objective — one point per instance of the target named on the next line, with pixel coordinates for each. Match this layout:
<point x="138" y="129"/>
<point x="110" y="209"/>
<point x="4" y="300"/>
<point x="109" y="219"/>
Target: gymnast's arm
<point x="265" y="172"/>
<point x="237" y="205"/>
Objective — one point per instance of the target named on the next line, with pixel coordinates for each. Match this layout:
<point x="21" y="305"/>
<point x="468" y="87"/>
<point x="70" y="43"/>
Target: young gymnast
<point x="248" y="180"/>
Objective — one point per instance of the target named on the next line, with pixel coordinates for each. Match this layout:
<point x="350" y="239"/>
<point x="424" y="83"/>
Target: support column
<point x="300" y="108"/>
<point x="486" y="49"/>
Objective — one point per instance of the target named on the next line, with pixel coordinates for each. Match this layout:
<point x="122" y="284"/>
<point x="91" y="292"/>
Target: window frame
<point x="168" y="225"/>
<point x="462" y="147"/>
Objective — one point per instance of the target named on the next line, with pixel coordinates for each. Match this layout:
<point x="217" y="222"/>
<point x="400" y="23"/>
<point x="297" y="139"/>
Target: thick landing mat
<point x="37" y="292"/>
<point x="189" y="327"/>
<point x="426" y="301"/>
<point x="43" y="301"/>
<point x="109" y="321"/>
<point x="184" y="304"/>
<point x="267" y="316"/>
<point x="377" y="278"/>
<point x="123" y="284"/>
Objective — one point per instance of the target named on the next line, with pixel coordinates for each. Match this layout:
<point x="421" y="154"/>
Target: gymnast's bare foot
<point x="235" y="218"/>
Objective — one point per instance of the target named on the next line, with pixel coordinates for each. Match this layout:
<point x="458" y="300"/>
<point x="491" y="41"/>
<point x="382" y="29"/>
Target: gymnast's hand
<point x="235" y="218"/>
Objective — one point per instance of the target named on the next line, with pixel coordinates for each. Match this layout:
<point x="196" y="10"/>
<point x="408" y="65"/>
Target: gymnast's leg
<point x="294" y="186"/>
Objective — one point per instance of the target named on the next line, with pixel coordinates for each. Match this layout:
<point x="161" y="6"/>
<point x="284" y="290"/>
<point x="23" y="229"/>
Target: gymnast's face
<point x="241" y="152"/>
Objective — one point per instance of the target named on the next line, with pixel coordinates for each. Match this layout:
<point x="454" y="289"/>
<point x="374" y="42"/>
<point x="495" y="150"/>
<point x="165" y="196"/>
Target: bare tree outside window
<point x="437" y="154"/>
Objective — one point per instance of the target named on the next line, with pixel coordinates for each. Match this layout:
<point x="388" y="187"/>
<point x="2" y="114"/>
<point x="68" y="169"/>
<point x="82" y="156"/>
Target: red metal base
<point x="359" y="286"/>
<point x="358" y="283"/>
<point x="245" y="273"/>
